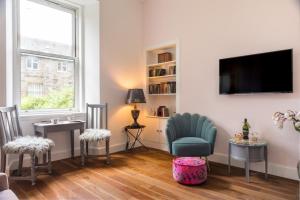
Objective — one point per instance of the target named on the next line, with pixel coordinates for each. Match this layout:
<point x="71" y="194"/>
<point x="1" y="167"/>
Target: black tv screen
<point x="266" y="72"/>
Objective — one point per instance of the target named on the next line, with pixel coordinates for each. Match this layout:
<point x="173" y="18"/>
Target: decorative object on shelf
<point x="135" y="96"/>
<point x="164" y="57"/>
<point x="246" y="128"/>
<point x="163" y="111"/>
<point x="279" y="118"/>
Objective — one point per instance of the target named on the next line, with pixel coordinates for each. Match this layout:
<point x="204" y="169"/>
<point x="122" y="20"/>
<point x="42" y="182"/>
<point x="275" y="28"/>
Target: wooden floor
<point x="147" y="175"/>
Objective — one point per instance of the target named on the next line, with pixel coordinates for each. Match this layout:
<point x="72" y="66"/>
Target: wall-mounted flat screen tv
<point x="259" y="73"/>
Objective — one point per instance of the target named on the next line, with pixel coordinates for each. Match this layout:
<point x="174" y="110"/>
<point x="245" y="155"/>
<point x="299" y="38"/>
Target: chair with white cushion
<point x="12" y="141"/>
<point x="96" y="130"/>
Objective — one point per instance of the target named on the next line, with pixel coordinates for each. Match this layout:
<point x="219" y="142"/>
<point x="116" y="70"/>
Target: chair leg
<point x="21" y="156"/>
<point x="49" y="162"/>
<point x="87" y="148"/>
<point x="3" y="161"/>
<point x="207" y="164"/>
<point x="33" y="176"/>
<point x="82" y="152"/>
<point x="107" y="151"/>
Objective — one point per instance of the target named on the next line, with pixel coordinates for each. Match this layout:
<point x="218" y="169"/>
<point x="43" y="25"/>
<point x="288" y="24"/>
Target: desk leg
<point x="247" y="165"/>
<point x="229" y="159"/>
<point x="266" y="162"/>
<point x="72" y="143"/>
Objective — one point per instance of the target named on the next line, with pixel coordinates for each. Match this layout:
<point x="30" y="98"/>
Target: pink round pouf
<point x="189" y="170"/>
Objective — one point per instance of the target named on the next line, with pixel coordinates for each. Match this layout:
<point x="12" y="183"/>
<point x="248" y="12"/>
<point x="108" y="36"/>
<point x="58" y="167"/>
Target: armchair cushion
<point x="191" y="146"/>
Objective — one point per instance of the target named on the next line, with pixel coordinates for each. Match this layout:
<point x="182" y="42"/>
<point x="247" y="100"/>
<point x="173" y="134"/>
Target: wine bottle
<point x="246" y="127"/>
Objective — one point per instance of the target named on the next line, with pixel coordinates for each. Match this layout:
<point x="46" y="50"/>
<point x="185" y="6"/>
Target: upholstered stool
<point x="189" y="170"/>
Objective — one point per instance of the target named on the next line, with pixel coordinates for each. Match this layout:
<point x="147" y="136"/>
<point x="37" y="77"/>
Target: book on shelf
<point x="162" y="72"/>
<point x="163" y="88"/>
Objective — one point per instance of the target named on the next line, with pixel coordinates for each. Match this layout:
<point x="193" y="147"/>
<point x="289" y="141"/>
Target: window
<point x="62" y="67"/>
<point x="46" y="46"/>
<point x="32" y="63"/>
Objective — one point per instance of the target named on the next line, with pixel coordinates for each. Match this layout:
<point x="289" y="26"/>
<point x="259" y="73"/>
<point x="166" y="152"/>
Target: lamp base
<point x="135" y="115"/>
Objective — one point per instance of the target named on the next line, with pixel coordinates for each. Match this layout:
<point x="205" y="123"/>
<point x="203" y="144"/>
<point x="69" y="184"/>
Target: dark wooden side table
<point x="136" y="136"/>
<point x="248" y="152"/>
<point x="43" y="128"/>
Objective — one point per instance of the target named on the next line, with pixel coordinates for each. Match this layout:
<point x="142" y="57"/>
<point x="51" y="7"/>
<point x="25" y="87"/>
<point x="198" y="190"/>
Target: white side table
<point x="248" y="152"/>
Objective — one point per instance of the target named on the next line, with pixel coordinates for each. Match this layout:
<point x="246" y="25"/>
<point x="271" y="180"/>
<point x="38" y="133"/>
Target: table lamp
<point x="135" y="96"/>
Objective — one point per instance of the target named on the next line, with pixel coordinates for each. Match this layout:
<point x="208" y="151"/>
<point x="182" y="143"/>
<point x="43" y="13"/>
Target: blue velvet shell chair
<point x="191" y="135"/>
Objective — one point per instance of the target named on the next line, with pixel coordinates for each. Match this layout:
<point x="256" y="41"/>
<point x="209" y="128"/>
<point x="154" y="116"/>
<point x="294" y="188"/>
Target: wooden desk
<point x="43" y="128"/>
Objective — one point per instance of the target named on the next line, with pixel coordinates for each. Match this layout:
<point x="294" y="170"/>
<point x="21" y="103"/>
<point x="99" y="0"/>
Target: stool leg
<point x="21" y="156"/>
<point x="33" y="177"/>
<point x="87" y="148"/>
<point x="49" y="162"/>
<point x="82" y="152"/>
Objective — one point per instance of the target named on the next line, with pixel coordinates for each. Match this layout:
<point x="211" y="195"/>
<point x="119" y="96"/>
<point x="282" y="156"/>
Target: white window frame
<point x="77" y="59"/>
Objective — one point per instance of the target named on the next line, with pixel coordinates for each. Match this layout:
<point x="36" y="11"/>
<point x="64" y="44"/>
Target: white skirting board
<point x="274" y="169"/>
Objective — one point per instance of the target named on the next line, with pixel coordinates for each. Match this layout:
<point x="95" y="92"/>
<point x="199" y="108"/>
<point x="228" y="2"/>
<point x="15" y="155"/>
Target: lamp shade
<point x="135" y="96"/>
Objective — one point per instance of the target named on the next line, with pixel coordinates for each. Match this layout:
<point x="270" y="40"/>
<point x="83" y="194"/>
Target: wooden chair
<point x="12" y="141"/>
<point x="96" y="130"/>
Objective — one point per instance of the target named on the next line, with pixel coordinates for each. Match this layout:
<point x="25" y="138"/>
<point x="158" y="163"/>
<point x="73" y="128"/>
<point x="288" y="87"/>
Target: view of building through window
<point x="47" y="56"/>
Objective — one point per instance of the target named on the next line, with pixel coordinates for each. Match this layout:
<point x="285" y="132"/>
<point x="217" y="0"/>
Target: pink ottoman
<point x="189" y="170"/>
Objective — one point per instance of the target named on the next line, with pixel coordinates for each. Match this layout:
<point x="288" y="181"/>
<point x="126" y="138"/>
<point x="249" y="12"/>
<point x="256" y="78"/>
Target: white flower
<point x="286" y="115"/>
<point x="297" y="124"/>
<point x="297" y="116"/>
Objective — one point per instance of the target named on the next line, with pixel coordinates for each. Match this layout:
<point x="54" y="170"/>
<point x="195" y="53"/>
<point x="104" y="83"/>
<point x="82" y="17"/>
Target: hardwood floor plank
<point x="147" y="175"/>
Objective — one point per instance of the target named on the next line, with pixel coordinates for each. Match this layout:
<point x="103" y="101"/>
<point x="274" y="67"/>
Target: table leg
<point x="266" y="162"/>
<point x="247" y="165"/>
<point x="128" y="140"/>
<point x="229" y="159"/>
<point x="72" y="143"/>
<point x="136" y="138"/>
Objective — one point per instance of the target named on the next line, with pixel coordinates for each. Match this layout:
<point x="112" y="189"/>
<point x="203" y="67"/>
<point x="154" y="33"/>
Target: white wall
<point x="2" y="52"/>
<point x="208" y="30"/>
<point x="121" y="53"/>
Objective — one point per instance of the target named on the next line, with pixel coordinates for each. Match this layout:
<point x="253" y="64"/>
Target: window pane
<point x="46" y="87"/>
<point x="46" y="28"/>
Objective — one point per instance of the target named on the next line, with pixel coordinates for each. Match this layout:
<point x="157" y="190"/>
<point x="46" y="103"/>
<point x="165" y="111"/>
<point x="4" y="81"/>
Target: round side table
<point x="248" y="151"/>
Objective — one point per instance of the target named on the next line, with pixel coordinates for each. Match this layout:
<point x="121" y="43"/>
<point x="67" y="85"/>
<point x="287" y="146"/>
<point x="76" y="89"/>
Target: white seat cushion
<point x="95" y="135"/>
<point x="28" y="145"/>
